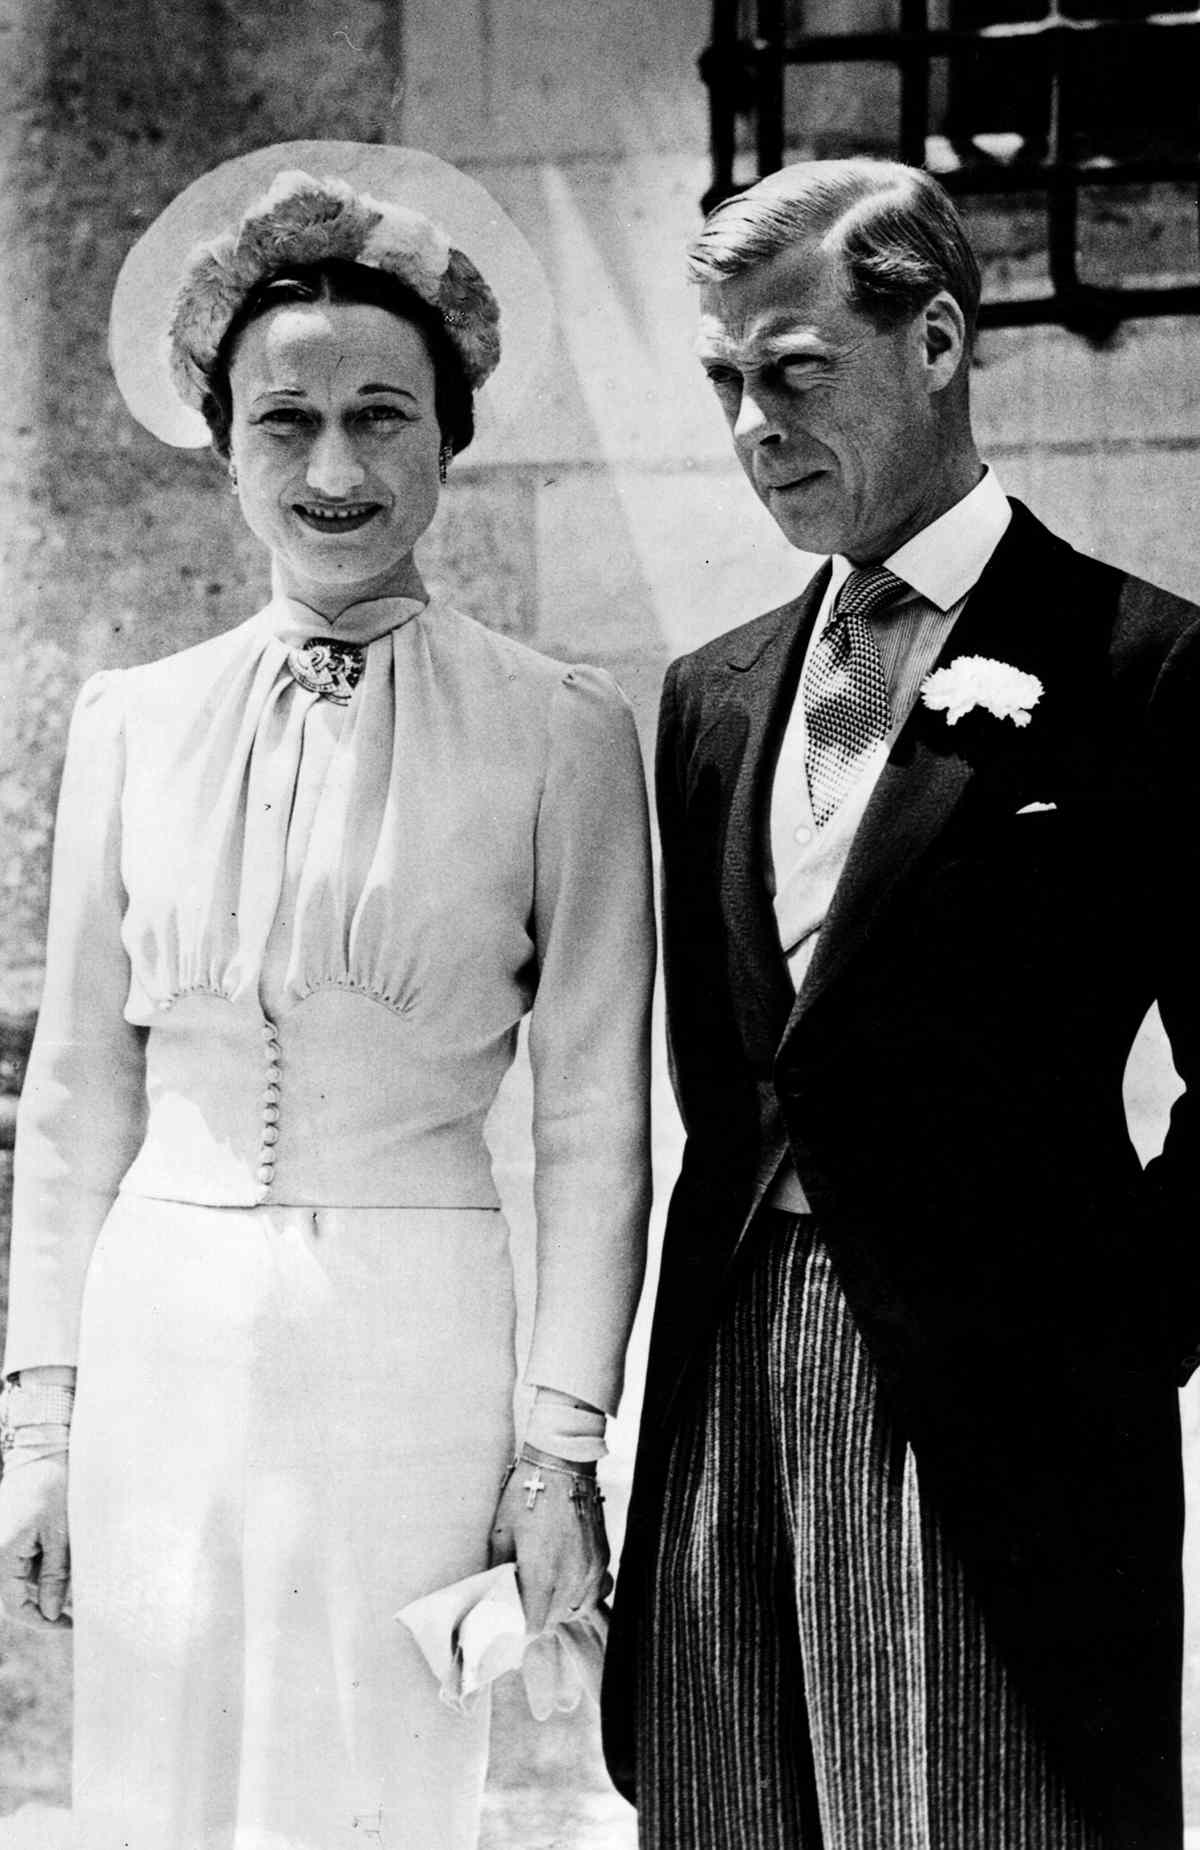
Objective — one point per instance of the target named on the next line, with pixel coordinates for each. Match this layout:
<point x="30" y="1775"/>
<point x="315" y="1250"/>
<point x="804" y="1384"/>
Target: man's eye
<point x="724" y="378"/>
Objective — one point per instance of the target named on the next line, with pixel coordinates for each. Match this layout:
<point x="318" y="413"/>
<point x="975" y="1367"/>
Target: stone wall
<point x="610" y="524"/>
<point x="115" y="549"/>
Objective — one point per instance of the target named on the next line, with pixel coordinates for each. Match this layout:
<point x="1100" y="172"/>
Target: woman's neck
<point x="330" y="600"/>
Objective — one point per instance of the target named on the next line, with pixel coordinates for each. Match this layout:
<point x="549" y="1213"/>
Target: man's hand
<point x="550" y="1521"/>
<point x="35" y="1556"/>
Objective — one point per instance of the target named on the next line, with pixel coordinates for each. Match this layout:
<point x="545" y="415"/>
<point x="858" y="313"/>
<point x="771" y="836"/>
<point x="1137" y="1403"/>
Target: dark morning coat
<point x="949" y="1082"/>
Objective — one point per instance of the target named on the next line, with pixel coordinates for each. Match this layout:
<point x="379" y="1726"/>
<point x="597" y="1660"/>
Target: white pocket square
<point x="1035" y="809"/>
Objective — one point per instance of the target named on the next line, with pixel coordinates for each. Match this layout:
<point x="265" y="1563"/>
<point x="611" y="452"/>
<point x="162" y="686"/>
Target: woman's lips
<point x="342" y="517"/>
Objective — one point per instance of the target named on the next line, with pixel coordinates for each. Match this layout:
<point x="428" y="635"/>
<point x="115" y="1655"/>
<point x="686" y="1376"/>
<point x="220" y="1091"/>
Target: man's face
<point x="833" y="419"/>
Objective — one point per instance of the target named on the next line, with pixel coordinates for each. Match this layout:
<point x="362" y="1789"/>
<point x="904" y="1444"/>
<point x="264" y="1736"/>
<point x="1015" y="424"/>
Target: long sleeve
<point x="82" y="1110"/>
<point x="1174" y="1176"/>
<point x="713" y="1086"/>
<point x="589" y="1041"/>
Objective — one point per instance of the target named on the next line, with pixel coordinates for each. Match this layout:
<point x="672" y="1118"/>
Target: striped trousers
<point x="816" y="1675"/>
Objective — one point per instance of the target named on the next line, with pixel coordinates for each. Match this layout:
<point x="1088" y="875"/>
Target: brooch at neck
<point x="331" y="669"/>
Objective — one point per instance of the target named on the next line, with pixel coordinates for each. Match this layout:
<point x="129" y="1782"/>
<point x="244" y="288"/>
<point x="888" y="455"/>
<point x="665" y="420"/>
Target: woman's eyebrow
<point x="403" y="391"/>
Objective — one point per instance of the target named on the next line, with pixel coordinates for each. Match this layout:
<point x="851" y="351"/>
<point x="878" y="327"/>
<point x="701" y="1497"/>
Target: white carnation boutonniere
<point x="976" y="681"/>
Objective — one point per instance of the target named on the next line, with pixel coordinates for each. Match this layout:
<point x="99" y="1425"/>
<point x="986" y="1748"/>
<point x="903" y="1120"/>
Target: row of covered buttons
<point x="269" y="1135"/>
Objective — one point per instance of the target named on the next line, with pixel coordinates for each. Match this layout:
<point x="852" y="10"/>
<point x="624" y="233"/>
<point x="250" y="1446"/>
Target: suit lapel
<point x="764" y="676"/>
<point x="933" y="766"/>
<point x="1011" y="617"/>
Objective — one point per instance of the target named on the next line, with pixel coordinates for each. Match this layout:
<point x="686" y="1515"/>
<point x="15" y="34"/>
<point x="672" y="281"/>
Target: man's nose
<point x="757" y="419"/>
<point x="333" y="466"/>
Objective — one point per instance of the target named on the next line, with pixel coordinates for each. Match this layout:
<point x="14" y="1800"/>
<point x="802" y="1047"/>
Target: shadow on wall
<point x="125" y="550"/>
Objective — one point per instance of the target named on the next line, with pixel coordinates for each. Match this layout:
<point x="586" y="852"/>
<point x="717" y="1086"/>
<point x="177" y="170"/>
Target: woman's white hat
<point x="390" y="208"/>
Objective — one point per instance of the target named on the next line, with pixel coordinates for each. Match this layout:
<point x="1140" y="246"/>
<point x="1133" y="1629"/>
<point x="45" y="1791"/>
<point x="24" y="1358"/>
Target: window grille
<point x="754" y="45"/>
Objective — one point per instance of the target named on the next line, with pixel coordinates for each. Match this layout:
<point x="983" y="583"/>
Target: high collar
<point x="293" y="622"/>
<point x="945" y="559"/>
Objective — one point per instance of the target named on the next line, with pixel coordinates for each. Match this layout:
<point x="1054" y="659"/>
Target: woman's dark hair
<point x="345" y="284"/>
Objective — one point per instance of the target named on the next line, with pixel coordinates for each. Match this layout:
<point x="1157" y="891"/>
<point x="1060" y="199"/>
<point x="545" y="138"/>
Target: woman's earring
<point x="445" y="456"/>
<point x="232" y="475"/>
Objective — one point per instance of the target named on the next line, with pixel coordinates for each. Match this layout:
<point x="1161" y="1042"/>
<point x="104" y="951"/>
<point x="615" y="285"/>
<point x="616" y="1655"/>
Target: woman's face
<point x="336" y="441"/>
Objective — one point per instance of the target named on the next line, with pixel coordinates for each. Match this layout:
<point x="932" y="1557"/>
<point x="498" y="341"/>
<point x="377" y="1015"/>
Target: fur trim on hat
<point x="302" y="221"/>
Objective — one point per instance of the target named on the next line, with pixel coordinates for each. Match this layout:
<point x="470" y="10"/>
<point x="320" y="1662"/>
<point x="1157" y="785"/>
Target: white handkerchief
<point x="473" y="1631"/>
<point x="1032" y="809"/>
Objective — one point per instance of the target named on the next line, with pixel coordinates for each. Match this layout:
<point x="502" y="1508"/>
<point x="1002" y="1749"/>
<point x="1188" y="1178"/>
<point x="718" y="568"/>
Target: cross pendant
<point x="533" y="1485"/>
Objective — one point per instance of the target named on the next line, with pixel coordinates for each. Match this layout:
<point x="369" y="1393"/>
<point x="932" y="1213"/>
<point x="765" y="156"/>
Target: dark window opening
<point x="1084" y="122"/>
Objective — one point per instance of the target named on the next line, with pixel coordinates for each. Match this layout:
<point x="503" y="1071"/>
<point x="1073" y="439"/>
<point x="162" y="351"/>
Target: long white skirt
<point x="289" y="1423"/>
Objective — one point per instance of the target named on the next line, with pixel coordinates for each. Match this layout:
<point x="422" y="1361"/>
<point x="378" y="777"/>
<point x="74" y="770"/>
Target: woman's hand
<point x="550" y="1521"/>
<point x="35" y="1556"/>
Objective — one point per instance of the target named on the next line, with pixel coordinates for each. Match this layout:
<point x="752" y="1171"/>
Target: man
<point x="902" y="1570"/>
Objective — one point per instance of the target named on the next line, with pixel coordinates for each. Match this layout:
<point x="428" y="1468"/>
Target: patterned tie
<point x="845" y="694"/>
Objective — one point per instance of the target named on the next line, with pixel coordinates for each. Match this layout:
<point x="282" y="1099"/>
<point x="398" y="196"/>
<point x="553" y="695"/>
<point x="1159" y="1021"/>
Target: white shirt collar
<point x="947" y="557"/>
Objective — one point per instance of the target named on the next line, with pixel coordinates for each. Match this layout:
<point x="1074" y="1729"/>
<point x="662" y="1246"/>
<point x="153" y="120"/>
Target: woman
<point x="308" y="878"/>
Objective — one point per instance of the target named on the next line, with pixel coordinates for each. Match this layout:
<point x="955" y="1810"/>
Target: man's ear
<point x="943" y="335"/>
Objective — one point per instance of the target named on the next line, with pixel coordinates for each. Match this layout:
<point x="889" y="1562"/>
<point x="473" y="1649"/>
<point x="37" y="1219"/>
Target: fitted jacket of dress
<point x="948" y="1083"/>
<point x="227" y="1024"/>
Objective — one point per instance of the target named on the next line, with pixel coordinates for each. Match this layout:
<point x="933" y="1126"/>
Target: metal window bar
<point x="745" y="76"/>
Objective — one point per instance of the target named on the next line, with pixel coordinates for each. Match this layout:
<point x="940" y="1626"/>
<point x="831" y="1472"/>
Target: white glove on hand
<point x="35" y="1555"/>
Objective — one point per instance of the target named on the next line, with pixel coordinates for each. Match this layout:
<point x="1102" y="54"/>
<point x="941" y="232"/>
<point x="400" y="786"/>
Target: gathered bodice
<point x="275" y="844"/>
<point x="355" y="883"/>
<point x="291" y="943"/>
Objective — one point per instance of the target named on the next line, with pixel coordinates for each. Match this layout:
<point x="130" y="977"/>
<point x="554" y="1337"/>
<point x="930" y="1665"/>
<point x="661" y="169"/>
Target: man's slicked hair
<point x="897" y="231"/>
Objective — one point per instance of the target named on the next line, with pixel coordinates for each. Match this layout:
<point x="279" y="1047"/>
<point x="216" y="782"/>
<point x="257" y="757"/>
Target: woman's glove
<point x="35" y="1556"/>
<point x="550" y="1521"/>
